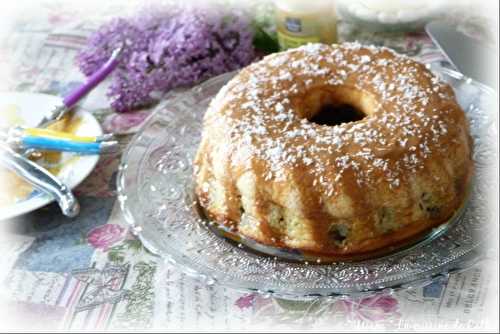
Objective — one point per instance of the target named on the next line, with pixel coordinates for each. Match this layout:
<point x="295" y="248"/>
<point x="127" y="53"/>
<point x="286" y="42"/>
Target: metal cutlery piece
<point x="49" y="133"/>
<point x="21" y="140"/>
<point x="72" y="99"/>
<point x="41" y="179"/>
<point x="473" y="58"/>
<point x="38" y="176"/>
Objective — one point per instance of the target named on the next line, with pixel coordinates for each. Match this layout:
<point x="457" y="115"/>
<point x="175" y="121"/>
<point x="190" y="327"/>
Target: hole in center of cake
<point x="331" y="115"/>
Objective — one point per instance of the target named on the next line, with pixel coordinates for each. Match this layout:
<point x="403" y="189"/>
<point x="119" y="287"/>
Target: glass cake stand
<point x="156" y="196"/>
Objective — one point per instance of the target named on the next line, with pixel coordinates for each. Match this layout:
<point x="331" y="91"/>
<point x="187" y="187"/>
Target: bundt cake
<point x="333" y="149"/>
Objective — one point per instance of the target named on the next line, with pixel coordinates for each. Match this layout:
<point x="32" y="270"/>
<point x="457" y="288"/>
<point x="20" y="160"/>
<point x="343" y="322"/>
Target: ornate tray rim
<point x="460" y="262"/>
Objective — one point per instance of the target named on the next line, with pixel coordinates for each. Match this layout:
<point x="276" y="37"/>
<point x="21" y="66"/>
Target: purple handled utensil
<point x="72" y="99"/>
<point x="42" y="178"/>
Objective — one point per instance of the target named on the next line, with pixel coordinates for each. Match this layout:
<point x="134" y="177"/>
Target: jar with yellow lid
<point x="299" y="22"/>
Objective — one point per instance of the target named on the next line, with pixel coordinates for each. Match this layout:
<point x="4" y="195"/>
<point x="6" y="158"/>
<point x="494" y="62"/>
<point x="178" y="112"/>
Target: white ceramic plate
<point x="28" y="109"/>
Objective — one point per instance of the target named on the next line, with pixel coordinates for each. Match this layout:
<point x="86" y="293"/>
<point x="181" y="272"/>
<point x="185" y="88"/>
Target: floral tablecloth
<point x="90" y="273"/>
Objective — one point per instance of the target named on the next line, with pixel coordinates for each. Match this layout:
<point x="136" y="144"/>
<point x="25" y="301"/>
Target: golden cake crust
<point x="270" y="174"/>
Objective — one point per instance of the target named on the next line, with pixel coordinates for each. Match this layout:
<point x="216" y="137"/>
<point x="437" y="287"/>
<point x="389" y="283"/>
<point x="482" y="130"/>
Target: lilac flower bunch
<point x="167" y="48"/>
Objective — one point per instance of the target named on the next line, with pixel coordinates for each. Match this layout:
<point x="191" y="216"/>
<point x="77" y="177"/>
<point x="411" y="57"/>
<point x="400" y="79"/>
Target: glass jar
<point x="300" y="22"/>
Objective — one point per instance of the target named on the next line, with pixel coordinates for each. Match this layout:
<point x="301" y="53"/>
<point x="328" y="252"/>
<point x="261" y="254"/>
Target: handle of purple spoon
<point x="75" y="96"/>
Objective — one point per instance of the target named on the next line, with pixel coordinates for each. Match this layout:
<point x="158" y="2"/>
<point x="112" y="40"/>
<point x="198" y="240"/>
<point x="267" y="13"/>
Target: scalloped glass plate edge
<point x="206" y="274"/>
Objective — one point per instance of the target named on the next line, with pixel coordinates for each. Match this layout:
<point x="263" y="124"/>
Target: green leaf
<point x="82" y="240"/>
<point x="115" y="256"/>
<point x="136" y="244"/>
<point x="298" y="306"/>
<point x="264" y="42"/>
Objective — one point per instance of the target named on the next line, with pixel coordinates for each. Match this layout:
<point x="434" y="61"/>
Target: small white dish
<point x="28" y="109"/>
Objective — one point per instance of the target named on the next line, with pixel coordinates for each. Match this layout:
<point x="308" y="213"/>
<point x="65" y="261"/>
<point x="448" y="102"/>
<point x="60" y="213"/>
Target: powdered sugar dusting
<point x="404" y="130"/>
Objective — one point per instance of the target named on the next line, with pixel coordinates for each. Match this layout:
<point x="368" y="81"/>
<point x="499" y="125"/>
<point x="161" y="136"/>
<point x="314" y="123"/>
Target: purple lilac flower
<point x="102" y="43"/>
<point x="165" y="49"/>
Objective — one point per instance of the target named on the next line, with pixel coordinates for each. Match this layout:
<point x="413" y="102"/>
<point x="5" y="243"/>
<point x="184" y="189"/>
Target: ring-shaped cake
<point x="337" y="150"/>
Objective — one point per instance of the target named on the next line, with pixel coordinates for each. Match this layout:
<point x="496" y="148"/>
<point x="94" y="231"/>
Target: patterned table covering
<point x="90" y="273"/>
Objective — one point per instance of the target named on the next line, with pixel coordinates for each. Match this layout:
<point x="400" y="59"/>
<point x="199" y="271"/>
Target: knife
<point x="77" y="94"/>
<point x="471" y="57"/>
<point x="72" y="98"/>
<point x="41" y="178"/>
